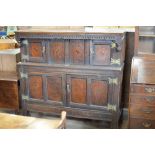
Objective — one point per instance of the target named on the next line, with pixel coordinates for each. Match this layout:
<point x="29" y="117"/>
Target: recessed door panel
<point x="101" y="54"/>
<point x="36" y="87"/>
<point x="77" y="52"/>
<point x="35" y="49"/>
<point x="78" y="90"/>
<point x="57" y="52"/>
<point x="54" y="88"/>
<point x="99" y="92"/>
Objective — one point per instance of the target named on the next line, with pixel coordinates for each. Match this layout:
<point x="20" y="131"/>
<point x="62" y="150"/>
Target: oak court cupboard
<point x="79" y="72"/>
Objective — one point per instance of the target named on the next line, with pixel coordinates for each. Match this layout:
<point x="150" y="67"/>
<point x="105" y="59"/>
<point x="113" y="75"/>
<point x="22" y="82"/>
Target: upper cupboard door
<point x="104" y="53"/>
<point x="33" y="50"/>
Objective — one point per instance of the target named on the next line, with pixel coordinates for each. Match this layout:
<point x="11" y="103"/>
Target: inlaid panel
<point x="54" y="88"/>
<point x="57" y="51"/>
<point x="36" y="87"/>
<point x="77" y="53"/>
<point x="78" y="90"/>
<point x="35" y="49"/>
<point x="99" y="91"/>
<point x="101" y="54"/>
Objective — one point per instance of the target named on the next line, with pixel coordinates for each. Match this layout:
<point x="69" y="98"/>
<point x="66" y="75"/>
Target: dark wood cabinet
<point x="81" y="73"/>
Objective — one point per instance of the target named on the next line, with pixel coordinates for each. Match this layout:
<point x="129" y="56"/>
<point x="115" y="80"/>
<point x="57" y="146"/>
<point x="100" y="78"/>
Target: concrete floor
<point x="74" y="123"/>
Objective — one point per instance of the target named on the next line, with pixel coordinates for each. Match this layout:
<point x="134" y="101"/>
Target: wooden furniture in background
<point x="142" y="93"/>
<point x="79" y="72"/>
<point x="9" y="59"/>
<point x="10" y="121"/>
<point x="9" y="95"/>
<point x="7" y="44"/>
<point x="9" y="82"/>
<point x="145" y="41"/>
<point x="142" y="83"/>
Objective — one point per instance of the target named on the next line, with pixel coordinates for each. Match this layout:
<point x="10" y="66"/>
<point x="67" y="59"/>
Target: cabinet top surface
<point x="8" y="76"/>
<point x="44" y="31"/>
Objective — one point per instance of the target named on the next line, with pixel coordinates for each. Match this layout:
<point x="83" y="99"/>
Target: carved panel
<point x="54" y="88"/>
<point x="57" y="51"/>
<point x="36" y="87"/>
<point x="101" y="55"/>
<point x="35" y="49"/>
<point x="77" y="53"/>
<point x="99" y="92"/>
<point x="78" y="90"/>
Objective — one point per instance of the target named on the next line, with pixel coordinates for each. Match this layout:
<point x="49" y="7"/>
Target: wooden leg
<point x="28" y="113"/>
<point x="17" y="112"/>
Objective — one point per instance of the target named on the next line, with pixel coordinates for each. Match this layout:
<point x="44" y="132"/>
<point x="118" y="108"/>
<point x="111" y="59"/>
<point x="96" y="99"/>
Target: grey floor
<point x="73" y="123"/>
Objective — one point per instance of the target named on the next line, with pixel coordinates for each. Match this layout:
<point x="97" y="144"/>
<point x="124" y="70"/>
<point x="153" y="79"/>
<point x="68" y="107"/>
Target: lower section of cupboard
<point x="82" y="92"/>
<point x="111" y="117"/>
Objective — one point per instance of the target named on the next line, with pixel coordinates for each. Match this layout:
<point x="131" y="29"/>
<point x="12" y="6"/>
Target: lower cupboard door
<point x="47" y="88"/>
<point x="89" y="91"/>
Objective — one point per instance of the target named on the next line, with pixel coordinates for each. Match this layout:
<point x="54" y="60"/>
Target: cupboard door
<point x="103" y="92"/>
<point x="104" y="53"/>
<point x="77" y="89"/>
<point x="33" y="50"/>
<point x="90" y="91"/>
<point x="35" y="84"/>
<point x="56" y="88"/>
<point x="57" y="51"/>
<point x="77" y="53"/>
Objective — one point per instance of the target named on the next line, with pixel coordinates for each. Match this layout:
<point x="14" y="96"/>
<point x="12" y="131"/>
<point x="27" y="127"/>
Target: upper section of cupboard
<point x="75" y="48"/>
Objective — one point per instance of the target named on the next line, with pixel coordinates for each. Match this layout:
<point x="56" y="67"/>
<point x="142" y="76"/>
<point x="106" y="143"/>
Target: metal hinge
<point x="149" y="90"/>
<point x="23" y="75"/>
<point x="24" y="97"/>
<point x="113" y="81"/>
<point x="115" y="61"/>
<point x="25" y="57"/>
<point x="43" y="51"/>
<point x="111" y="107"/>
<point x="68" y="88"/>
<point x="113" y="45"/>
<point x="25" y="42"/>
